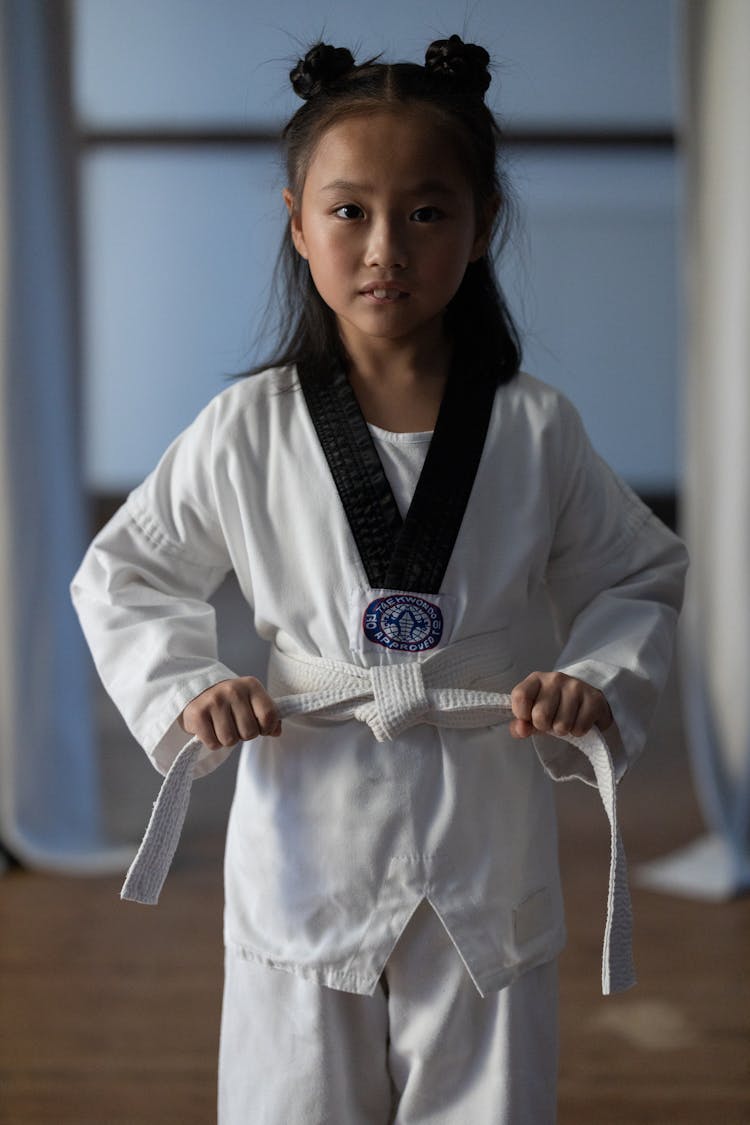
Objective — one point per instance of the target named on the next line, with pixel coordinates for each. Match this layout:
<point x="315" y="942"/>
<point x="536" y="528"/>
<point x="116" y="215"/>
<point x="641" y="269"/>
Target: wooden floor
<point x="109" y="1012"/>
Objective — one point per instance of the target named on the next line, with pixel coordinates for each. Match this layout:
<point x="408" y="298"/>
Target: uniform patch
<point x="403" y="622"/>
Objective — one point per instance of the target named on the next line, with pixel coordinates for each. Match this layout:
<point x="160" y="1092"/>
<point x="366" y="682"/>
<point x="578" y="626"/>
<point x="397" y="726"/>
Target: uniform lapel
<point x="410" y="554"/>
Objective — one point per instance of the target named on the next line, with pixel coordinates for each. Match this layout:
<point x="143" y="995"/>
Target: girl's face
<point x="387" y="224"/>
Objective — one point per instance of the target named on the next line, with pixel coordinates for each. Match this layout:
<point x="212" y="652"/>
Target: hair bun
<point x="321" y="66"/>
<point x="464" y="64"/>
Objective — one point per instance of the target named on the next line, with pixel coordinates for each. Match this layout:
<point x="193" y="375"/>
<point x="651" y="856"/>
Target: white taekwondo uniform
<point x="335" y="838"/>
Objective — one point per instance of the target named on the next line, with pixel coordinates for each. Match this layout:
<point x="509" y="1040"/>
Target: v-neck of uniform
<point x="410" y="554"/>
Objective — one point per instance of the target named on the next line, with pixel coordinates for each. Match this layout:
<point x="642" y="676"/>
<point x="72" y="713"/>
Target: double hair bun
<point x="319" y="69"/>
<point x="464" y="65"/>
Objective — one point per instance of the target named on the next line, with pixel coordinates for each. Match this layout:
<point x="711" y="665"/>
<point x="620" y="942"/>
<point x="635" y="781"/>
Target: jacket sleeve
<point x="615" y="578"/>
<point x="141" y="594"/>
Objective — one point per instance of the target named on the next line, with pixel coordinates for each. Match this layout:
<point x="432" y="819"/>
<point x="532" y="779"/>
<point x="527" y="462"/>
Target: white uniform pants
<point x="425" y="1048"/>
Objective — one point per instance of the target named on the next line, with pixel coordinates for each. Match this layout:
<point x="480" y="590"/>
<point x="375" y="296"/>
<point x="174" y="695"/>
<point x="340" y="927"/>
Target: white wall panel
<point x="177" y="252"/>
<point x="193" y="62"/>
<point x="594" y="283"/>
<point x="178" y="249"/>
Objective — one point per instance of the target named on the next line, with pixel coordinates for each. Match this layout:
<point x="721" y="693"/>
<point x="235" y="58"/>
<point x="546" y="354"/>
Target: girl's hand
<point x="553" y="703"/>
<point x="231" y="711"/>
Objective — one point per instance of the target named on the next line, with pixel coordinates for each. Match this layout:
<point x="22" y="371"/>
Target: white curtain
<point x="49" y="797"/>
<point x="716" y="509"/>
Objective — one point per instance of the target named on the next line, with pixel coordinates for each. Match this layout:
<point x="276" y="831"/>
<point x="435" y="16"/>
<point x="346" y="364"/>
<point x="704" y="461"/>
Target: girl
<point x="395" y="498"/>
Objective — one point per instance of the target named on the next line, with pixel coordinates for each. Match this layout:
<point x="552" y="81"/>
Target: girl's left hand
<point x="553" y="703"/>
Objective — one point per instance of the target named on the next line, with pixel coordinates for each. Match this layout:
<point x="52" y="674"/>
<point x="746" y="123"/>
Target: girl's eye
<point x="349" y="211"/>
<point x="426" y="214"/>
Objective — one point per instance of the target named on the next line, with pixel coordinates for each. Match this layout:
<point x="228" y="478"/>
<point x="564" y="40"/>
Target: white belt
<point x="390" y="698"/>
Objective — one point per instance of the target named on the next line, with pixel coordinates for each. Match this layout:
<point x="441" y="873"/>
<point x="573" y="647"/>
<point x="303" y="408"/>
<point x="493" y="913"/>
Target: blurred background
<point x="176" y="110"/>
<point x="140" y="215"/>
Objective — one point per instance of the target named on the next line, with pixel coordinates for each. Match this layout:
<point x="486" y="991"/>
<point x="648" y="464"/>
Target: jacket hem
<point x="364" y="984"/>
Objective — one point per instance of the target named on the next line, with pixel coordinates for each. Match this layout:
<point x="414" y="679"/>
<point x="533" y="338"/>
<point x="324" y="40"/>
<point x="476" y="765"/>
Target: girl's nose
<point x="386" y="246"/>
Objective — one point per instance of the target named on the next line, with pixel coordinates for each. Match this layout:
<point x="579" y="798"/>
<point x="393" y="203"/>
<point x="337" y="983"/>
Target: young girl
<point x="395" y="499"/>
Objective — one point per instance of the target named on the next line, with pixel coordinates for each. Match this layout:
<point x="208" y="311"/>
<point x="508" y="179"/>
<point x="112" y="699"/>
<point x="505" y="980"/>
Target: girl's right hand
<point x="231" y="711"/>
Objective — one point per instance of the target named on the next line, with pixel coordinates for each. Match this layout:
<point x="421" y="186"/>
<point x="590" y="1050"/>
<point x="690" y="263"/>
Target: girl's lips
<point x="384" y="294"/>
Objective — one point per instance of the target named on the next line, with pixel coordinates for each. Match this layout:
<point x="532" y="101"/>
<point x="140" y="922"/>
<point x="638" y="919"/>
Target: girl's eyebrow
<point x="426" y="187"/>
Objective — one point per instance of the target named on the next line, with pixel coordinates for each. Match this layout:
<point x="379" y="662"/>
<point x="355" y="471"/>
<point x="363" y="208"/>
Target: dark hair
<point x="451" y="84"/>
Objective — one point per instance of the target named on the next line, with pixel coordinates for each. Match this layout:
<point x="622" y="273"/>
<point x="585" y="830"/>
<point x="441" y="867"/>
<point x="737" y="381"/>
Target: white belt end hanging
<point x="149" y="869"/>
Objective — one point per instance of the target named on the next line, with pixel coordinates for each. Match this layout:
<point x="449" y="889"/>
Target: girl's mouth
<point x="383" y="296"/>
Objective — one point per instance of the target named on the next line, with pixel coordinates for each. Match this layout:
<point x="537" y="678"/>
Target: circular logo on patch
<point x="404" y="622"/>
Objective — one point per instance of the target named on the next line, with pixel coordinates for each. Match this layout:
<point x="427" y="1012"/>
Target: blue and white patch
<point x="404" y="622"/>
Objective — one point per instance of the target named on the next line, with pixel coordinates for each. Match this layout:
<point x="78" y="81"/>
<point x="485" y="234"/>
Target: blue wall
<point x="178" y="244"/>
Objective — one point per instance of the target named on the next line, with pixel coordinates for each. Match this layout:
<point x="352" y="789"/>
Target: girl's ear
<point x="485" y="223"/>
<point x="295" y="225"/>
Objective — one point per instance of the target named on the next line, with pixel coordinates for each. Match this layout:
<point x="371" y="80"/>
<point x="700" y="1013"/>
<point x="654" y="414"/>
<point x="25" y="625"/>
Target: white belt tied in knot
<point x="390" y="698"/>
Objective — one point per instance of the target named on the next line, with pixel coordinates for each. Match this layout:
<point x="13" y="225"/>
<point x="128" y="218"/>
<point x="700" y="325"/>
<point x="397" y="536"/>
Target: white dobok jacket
<point x="335" y="837"/>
